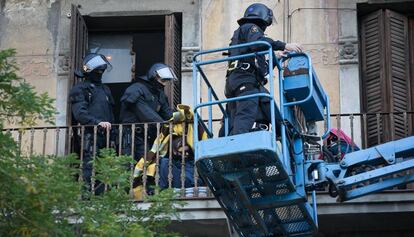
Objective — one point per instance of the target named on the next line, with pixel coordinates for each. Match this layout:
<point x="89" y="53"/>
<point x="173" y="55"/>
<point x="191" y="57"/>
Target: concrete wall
<point x="31" y="27"/>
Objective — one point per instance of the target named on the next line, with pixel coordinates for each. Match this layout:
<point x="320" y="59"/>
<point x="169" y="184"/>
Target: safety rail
<point x="64" y="140"/>
<point x="212" y="94"/>
<point x="59" y="141"/>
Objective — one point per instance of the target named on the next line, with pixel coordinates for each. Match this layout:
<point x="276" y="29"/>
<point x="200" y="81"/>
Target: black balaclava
<point x="95" y="77"/>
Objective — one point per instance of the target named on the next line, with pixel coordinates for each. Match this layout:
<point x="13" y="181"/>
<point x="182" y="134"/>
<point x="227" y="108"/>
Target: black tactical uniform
<point x="247" y="75"/>
<point x="92" y="104"/>
<point x="145" y="102"/>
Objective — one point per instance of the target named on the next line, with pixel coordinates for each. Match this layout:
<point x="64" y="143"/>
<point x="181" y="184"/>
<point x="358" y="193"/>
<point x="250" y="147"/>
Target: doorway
<point x="132" y="44"/>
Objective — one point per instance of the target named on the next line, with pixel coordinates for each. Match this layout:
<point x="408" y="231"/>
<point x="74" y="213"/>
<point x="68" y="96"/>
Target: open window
<point x="132" y="43"/>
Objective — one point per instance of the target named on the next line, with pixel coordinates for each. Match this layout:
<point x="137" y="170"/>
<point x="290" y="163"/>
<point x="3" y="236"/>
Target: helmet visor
<point x="96" y="62"/>
<point x="166" y="74"/>
<point x="274" y="21"/>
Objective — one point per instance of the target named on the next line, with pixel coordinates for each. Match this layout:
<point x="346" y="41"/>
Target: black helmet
<point x="93" y="62"/>
<point x="257" y="12"/>
<point x="161" y="71"/>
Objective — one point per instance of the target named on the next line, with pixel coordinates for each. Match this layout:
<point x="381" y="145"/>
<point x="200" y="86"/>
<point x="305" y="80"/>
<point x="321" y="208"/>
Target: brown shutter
<point x="385" y="75"/>
<point x="78" y="46"/>
<point x="373" y="73"/>
<point x="173" y="56"/>
<point x="397" y="65"/>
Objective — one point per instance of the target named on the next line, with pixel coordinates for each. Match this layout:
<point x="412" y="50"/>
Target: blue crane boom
<point x="263" y="181"/>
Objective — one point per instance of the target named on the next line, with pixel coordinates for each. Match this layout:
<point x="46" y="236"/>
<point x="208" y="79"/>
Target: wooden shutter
<point x="78" y="47"/>
<point x="385" y="75"/>
<point x="397" y="63"/>
<point x="373" y="73"/>
<point x="173" y="56"/>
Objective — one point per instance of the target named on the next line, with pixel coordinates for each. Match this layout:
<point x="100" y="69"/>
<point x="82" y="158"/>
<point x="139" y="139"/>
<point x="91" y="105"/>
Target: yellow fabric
<point x="161" y="143"/>
<point x="138" y="192"/>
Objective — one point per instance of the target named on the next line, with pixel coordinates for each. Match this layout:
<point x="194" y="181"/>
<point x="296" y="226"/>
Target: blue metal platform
<point x="250" y="182"/>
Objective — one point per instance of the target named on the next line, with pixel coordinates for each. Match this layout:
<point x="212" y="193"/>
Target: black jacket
<point x="246" y="33"/>
<point x="91" y="103"/>
<point x="143" y="102"/>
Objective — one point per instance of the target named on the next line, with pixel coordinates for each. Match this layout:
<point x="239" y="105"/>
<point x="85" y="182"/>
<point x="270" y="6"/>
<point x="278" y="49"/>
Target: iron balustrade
<point x="61" y="140"/>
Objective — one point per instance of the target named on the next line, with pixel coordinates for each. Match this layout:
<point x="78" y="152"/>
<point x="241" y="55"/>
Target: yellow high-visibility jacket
<point x="183" y="117"/>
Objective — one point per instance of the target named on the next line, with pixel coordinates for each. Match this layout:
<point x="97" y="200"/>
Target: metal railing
<point x="64" y="140"/>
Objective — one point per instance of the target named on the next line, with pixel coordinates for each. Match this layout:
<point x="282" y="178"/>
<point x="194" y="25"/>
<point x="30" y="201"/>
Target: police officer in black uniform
<point x="247" y="76"/>
<point x="145" y="102"/>
<point x="92" y="104"/>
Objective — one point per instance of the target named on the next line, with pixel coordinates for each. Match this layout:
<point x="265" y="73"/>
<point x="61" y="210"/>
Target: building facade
<point x="362" y="51"/>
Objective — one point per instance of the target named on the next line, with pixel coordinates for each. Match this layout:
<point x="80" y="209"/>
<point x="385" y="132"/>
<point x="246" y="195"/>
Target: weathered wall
<point x="40" y="31"/>
<point x="31" y="27"/>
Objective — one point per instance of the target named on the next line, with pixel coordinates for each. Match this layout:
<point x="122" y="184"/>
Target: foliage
<point x="19" y="102"/>
<point x="40" y="195"/>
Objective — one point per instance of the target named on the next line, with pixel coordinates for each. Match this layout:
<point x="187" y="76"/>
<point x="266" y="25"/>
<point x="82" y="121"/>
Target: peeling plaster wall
<point x="30" y="27"/>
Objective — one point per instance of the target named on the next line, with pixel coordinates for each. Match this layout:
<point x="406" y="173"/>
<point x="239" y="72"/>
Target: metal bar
<point x="285" y="149"/>
<point x="364" y="119"/>
<point x="195" y="181"/>
<point x="232" y="58"/>
<point x="314" y="207"/>
<point x="19" y="141"/>
<point x="144" y="175"/>
<point x="226" y="127"/>
<point x="133" y="157"/>
<point x="264" y="43"/>
<point x="57" y="141"/>
<point x="95" y="132"/>
<point x="210" y="111"/>
<point x="338" y="135"/>
<point x="392" y="125"/>
<point x="170" y="175"/>
<point x="44" y="141"/>
<point x="272" y="97"/>
<point x="195" y="102"/>
<point x="183" y="137"/>
<point x="328" y="116"/>
<point x="120" y="129"/>
<point x="157" y="160"/>
<point x="245" y="97"/>
<point x="32" y="131"/>
<point x="81" y="153"/>
<point x="108" y="133"/>
<point x="298" y="156"/>
<point x="70" y="134"/>
<point x="351" y="118"/>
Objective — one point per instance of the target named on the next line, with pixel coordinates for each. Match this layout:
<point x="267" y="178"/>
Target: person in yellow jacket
<point x="182" y="123"/>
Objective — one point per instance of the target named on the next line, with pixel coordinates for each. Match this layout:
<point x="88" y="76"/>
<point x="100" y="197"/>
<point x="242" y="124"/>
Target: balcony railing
<point x="63" y="140"/>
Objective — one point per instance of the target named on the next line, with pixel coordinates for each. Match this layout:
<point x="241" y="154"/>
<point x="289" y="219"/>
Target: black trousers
<point x="243" y="113"/>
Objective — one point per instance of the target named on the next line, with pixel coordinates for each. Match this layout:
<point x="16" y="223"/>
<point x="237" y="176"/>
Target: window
<point x="385" y="75"/>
